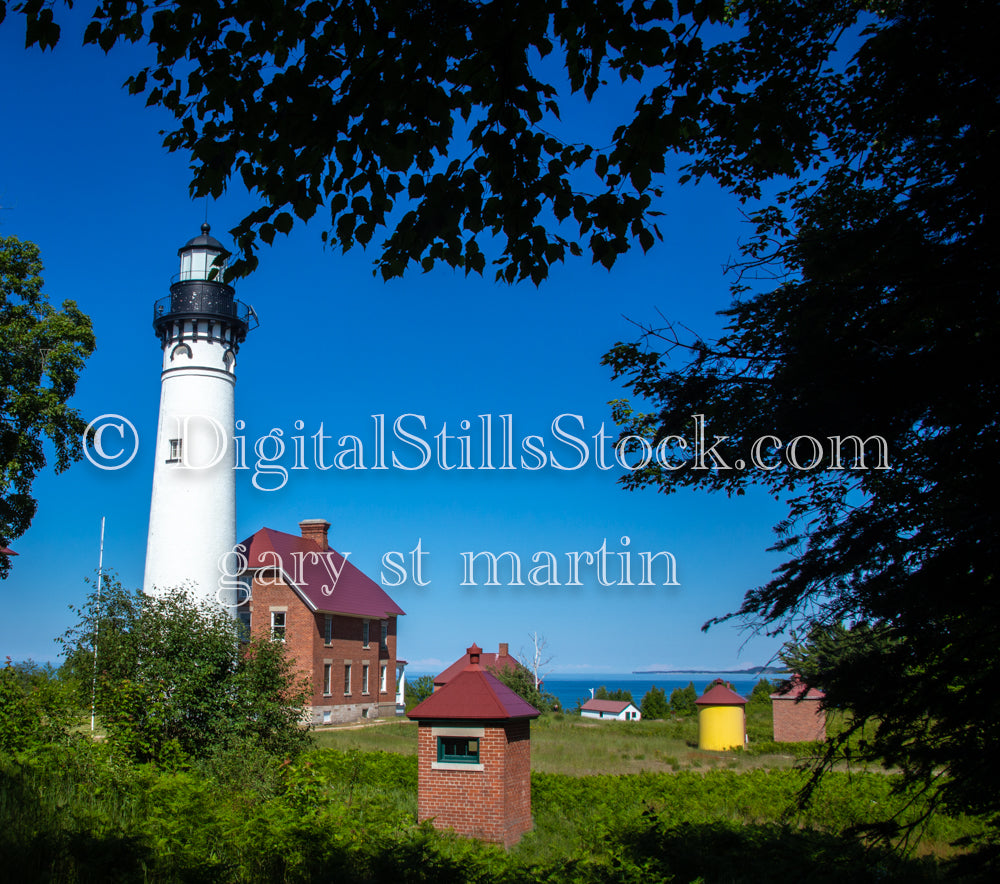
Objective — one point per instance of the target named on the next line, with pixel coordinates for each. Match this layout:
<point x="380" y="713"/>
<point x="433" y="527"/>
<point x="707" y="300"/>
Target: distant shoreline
<point x="754" y="670"/>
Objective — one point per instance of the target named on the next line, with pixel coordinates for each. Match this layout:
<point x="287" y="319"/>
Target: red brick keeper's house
<point x="338" y="625"/>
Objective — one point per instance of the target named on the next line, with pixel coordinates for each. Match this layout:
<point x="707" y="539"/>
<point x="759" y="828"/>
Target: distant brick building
<point x="474" y="756"/>
<point x="338" y="625"/>
<point x="798" y="714"/>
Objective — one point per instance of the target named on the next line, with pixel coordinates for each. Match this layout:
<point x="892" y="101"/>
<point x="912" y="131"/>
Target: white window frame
<point x="477" y="733"/>
<point x="347" y="679"/>
<point x="327" y="678"/>
<point x="279" y="631"/>
<point x="383" y="677"/>
<point x="328" y="629"/>
<point x="364" y="678"/>
<point x="365" y="633"/>
<point x="175" y="451"/>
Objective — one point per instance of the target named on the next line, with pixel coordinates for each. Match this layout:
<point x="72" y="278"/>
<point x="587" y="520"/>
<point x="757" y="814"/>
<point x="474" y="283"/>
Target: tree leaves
<point x="42" y="351"/>
<point x="865" y="306"/>
<point x="175" y="683"/>
<point x="350" y="99"/>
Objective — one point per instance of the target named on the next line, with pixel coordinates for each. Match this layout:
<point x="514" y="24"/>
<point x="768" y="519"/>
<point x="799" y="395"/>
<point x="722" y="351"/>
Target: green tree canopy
<point x="865" y="311"/>
<point x="761" y="693"/>
<point x="654" y="703"/>
<point x="419" y="690"/>
<point x="620" y="694"/>
<point x="42" y="351"/>
<point x="864" y="325"/>
<point x="522" y="682"/>
<point x="682" y="700"/>
<point x="35" y="707"/>
<point x="442" y="123"/>
<point x="174" y="681"/>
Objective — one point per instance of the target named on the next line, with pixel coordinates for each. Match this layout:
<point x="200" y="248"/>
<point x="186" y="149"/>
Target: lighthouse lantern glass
<point x="198" y="262"/>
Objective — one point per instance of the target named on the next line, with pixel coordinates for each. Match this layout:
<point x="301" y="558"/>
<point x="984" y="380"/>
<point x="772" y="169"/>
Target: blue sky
<point x="83" y="175"/>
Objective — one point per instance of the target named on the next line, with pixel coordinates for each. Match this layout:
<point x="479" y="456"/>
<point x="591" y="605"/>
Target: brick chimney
<point x="315" y="530"/>
<point x="503" y="649"/>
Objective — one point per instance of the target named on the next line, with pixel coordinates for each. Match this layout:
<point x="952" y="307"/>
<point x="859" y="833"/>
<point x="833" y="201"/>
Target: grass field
<point x="568" y="744"/>
<point x="629" y="802"/>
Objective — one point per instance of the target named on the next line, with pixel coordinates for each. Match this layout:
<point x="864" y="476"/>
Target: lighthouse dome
<point x="204" y="241"/>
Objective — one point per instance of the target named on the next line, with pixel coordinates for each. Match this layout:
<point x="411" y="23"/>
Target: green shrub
<point x="682" y="700"/>
<point x="654" y="703"/>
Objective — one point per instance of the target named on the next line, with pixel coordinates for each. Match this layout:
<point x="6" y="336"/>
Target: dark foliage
<point x="42" y="351"/>
<point x="682" y="700"/>
<point x="443" y="123"/>
<point x="864" y="323"/>
<point x="621" y="694"/>
<point x="654" y="703"/>
<point x="175" y="683"/>
<point x="522" y="682"/>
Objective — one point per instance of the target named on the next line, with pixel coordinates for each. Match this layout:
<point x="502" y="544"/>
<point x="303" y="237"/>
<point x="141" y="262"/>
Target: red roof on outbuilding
<point x="7" y="551"/>
<point x="798" y="690"/>
<point x="323" y="578"/>
<point x="487" y="659"/>
<point x="720" y="695"/>
<point x="614" y="706"/>
<point x="473" y="695"/>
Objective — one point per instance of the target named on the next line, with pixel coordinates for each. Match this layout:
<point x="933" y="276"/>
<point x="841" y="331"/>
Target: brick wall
<point x="270" y="593"/>
<point x="798" y="722"/>
<point x="517" y="793"/>
<point x="305" y="641"/>
<point x="493" y="804"/>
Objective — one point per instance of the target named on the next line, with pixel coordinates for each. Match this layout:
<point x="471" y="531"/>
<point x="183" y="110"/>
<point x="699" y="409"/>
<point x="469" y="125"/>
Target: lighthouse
<point x="192" y="514"/>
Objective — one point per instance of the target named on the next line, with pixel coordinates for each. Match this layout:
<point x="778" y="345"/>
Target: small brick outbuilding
<point x="798" y="713"/>
<point x="474" y="756"/>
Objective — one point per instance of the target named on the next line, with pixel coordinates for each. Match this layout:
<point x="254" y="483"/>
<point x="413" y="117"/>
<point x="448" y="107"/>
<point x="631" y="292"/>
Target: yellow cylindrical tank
<point x="721" y="718"/>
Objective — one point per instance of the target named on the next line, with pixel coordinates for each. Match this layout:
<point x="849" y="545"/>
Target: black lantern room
<point x="200" y="297"/>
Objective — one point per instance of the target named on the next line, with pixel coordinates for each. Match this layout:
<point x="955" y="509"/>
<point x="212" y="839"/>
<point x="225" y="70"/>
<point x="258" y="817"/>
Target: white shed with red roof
<point x="615" y="710"/>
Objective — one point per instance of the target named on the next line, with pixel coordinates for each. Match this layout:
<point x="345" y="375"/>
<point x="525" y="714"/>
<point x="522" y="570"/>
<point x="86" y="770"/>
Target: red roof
<point x="473" y="695"/>
<point x="720" y="695"/>
<point x="323" y="578"/>
<point x="487" y="659"/>
<point x="7" y="551"/>
<point x="616" y="707"/>
<point x="798" y="690"/>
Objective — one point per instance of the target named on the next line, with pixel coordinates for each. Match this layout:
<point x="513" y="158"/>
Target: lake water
<point x="569" y="689"/>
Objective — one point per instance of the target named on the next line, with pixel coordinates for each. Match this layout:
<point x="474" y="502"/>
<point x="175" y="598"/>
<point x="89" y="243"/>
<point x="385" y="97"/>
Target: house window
<point x="364" y="678"/>
<point x="458" y="750"/>
<point x="347" y="678"/>
<point x="328" y="629"/>
<point x="365" y="629"/>
<point x="243" y="618"/>
<point x="278" y="625"/>
<point x="385" y="633"/>
<point x="174" y="455"/>
<point x="382" y="678"/>
<point x="327" y="675"/>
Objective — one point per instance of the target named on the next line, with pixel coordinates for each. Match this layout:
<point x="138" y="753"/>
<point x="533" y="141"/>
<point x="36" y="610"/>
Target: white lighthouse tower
<point x="192" y="515"/>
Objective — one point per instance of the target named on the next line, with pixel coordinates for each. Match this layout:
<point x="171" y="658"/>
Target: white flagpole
<point x="97" y="626"/>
